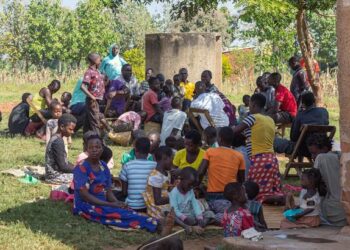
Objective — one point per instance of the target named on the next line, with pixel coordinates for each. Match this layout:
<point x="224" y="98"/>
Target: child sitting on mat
<point x="187" y="209"/>
<point x="307" y="214"/>
<point x="156" y="195"/>
<point x="237" y="217"/>
<point x="254" y="206"/>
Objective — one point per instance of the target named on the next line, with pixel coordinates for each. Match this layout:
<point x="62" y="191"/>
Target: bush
<point x="136" y="57"/>
<point x="226" y="67"/>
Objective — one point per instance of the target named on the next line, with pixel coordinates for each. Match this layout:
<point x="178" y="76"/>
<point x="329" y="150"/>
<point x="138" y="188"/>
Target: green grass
<point x="29" y="220"/>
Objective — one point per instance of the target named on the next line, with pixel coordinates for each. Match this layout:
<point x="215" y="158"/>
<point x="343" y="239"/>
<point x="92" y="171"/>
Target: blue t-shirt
<point x="78" y="95"/>
<point x="136" y="173"/>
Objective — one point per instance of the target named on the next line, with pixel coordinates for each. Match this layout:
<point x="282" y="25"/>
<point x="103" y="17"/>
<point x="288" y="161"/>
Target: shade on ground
<point x="321" y="238"/>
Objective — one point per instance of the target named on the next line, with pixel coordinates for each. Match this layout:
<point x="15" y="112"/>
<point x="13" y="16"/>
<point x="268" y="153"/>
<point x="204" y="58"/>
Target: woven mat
<point x="273" y="216"/>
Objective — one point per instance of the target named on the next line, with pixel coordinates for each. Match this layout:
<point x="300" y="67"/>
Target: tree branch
<point x="324" y="15"/>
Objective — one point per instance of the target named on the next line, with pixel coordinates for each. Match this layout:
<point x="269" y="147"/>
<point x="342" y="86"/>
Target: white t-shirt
<point x="312" y="202"/>
<point x="213" y="103"/>
<point x="173" y="119"/>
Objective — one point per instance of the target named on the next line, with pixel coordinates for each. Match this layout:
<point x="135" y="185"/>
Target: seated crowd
<point x="220" y="177"/>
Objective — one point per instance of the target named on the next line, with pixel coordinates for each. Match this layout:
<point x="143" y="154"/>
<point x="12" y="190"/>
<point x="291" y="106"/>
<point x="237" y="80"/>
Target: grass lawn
<point x="29" y="220"/>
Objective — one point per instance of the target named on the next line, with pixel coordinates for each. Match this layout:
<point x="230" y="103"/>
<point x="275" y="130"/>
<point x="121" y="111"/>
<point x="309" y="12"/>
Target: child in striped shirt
<point x="135" y="173"/>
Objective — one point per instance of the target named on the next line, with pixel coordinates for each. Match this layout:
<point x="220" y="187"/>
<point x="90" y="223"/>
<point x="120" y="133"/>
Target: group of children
<point x="170" y="172"/>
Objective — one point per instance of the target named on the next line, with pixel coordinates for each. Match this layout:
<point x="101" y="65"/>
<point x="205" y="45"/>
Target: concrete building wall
<point x="168" y="52"/>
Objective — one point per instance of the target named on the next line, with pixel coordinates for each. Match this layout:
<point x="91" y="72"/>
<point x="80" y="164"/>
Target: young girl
<point x="187" y="209"/>
<point x="156" y="195"/>
<point x="237" y="217"/>
<point x="52" y="124"/>
<point x="165" y="102"/>
<point x="254" y="206"/>
<point x="93" y="196"/>
<point x="308" y="213"/>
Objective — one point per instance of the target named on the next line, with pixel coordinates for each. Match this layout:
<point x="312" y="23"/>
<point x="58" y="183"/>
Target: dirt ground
<point x="196" y="244"/>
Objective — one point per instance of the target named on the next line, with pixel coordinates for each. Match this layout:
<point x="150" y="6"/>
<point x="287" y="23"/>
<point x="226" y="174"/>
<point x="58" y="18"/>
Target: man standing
<point x="299" y="83"/>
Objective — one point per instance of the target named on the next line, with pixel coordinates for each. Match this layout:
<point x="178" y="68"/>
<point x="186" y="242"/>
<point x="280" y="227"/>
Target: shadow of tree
<point x="56" y="220"/>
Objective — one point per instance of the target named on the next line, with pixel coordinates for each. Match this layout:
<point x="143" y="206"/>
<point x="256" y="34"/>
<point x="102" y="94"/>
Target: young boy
<point x="94" y="87"/>
<point x="243" y="109"/>
<point x="130" y="155"/>
<point x="285" y="108"/>
<point x="150" y="102"/>
<point x="210" y="137"/>
<point x="188" y="88"/>
<point x="19" y="117"/>
<point x="134" y="175"/>
<point x="58" y="169"/>
<point x="173" y="121"/>
<point x="223" y="164"/>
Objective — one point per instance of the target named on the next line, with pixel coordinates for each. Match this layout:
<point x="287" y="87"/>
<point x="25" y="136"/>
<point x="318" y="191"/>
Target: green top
<point x="129" y="156"/>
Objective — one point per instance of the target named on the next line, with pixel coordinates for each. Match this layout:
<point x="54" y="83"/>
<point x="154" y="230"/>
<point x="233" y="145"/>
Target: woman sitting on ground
<point x="93" y="196"/>
<point x="328" y="162"/>
<point x="192" y="154"/>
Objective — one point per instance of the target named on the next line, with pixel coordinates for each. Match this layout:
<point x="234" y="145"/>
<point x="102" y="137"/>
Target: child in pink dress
<point x="237" y="217"/>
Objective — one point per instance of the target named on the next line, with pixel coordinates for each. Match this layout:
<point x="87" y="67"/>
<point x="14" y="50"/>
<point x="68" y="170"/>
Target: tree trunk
<point x="306" y="47"/>
<point x="343" y="44"/>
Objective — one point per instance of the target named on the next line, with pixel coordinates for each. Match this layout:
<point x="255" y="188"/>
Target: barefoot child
<point x="156" y="195"/>
<point x="93" y="196"/>
<point x="254" y="206"/>
<point x="187" y="209"/>
<point x="237" y="217"/>
<point x="308" y="213"/>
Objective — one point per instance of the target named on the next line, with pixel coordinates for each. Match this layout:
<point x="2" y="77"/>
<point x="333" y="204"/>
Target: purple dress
<point x="118" y="103"/>
<point x="97" y="183"/>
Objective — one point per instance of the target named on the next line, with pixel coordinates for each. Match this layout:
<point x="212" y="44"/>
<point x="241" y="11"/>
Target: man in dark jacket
<point x="309" y="115"/>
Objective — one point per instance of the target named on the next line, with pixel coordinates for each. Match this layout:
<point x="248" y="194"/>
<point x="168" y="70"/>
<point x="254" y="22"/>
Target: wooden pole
<point x="343" y="44"/>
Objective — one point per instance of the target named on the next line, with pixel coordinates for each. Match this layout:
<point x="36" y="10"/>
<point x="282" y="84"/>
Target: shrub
<point x="136" y="57"/>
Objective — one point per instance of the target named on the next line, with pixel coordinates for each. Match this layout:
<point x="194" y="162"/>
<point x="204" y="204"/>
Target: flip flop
<point x="28" y="179"/>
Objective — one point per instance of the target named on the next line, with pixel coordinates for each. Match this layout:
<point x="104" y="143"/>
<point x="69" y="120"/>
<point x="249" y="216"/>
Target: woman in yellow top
<point x="188" y="88"/>
<point x="156" y="196"/>
<point x="259" y="130"/>
<point x="192" y="154"/>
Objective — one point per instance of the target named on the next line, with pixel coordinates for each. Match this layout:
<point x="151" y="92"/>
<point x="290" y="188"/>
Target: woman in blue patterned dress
<point x="93" y="197"/>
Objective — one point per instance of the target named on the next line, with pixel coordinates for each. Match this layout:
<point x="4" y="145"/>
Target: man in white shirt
<point x="211" y="102"/>
<point x="173" y="121"/>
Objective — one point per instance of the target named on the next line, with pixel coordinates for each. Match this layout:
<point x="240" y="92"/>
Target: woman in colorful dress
<point x="93" y="196"/>
<point x="260" y="133"/>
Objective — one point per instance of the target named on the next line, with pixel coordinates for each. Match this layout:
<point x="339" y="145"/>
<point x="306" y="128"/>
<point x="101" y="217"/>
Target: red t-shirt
<point x="148" y="100"/>
<point x="287" y="100"/>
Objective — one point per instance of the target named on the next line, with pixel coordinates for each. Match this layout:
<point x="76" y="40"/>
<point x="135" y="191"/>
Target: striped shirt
<point x="260" y="134"/>
<point x="136" y="173"/>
